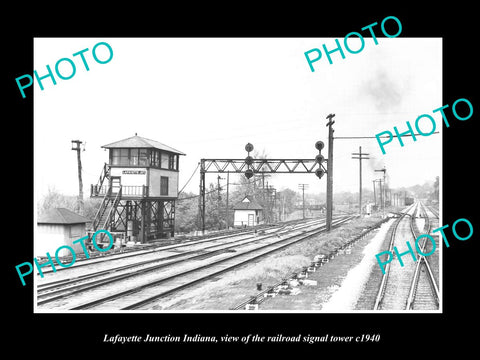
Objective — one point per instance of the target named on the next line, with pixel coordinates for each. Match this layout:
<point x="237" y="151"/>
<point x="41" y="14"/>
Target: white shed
<point x="247" y="213"/>
<point x="57" y="227"/>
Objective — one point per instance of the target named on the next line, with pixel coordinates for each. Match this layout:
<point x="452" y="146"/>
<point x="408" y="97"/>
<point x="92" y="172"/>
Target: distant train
<point x="409" y="201"/>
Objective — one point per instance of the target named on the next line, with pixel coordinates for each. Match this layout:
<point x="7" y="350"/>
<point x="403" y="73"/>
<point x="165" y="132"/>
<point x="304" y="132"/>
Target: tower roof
<point x="61" y="216"/>
<point x="141" y="142"/>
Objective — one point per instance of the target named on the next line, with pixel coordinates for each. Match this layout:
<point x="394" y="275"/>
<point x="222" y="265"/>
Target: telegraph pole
<point x="360" y="156"/>
<point x="201" y="198"/>
<point x="76" y="147"/>
<point x="330" y="172"/>
<point x="383" y="189"/>
<point x="219" y="198"/>
<point x="226" y="206"/>
<point x="380" y="193"/>
<point x="303" y="187"/>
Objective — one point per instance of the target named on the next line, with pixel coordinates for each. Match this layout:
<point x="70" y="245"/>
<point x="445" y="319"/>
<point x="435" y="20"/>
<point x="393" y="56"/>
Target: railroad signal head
<point x="249" y="147"/>
<point x="319" y="158"/>
<point x="319" y="145"/>
<point x="319" y="173"/>
<point x="248" y="161"/>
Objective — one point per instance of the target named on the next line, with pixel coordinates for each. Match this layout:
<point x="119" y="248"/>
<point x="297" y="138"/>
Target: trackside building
<point x="247" y="213"/>
<point x="58" y="227"/>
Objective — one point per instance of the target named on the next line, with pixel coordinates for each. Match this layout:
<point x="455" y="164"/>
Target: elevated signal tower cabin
<point x="139" y="186"/>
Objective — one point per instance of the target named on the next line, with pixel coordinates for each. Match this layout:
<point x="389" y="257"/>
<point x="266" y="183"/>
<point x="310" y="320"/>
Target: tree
<point x="186" y="212"/>
<point x="436" y="187"/>
<point x="186" y="218"/>
<point x="287" y="199"/>
<point x="54" y="199"/>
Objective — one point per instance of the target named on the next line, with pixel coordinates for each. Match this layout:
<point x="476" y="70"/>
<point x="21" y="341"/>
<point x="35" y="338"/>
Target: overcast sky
<point x="208" y="97"/>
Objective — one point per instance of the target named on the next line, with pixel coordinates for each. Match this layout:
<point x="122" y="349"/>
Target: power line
<point x="189" y="179"/>
<point x="374" y="137"/>
<point x="208" y="192"/>
<point x="196" y="196"/>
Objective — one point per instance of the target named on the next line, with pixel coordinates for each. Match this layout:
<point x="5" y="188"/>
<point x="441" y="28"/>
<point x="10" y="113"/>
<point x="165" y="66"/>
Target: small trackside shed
<point x="247" y="213"/>
<point x="57" y="227"/>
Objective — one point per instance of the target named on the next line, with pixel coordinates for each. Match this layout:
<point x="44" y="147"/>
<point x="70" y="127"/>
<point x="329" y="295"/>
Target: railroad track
<point x="153" y="248"/>
<point x="413" y="286"/>
<point x="253" y="302"/>
<point x="55" y="290"/>
<point x="226" y="257"/>
<point x="424" y="292"/>
<point x="433" y="211"/>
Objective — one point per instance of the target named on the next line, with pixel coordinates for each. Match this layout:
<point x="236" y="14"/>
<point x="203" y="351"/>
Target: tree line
<point x="186" y="209"/>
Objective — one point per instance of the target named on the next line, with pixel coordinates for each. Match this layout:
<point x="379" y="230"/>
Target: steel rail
<point x="433" y="211"/>
<point x="73" y="289"/>
<point x="157" y="249"/>
<point x="260" y="297"/>
<point x="191" y="283"/>
<point x="145" y="250"/>
<point x="151" y="248"/>
<point x="383" y="284"/>
<point x="421" y="260"/>
<point x="286" y="241"/>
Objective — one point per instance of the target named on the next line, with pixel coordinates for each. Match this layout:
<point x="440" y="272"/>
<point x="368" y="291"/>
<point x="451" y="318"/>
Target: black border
<point x="43" y="333"/>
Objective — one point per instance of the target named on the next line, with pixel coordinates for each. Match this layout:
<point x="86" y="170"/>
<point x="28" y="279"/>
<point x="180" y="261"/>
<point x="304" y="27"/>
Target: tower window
<point x="163" y="160"/>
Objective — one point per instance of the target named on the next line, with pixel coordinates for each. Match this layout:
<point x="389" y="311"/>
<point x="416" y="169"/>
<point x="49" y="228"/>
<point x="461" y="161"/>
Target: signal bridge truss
<point x="259" y="166"/>
<point x="249" y="167"/>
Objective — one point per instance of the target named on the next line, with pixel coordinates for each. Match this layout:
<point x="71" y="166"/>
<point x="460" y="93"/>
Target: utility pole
<point x="270" y="203"/>
<point x="226" y="207"/>
<point x="201" y="198"/>
<point x="379" y="181"/>
<point x="76" y="147"/>
<point x="219" y="198"/>
<point x="382" y="204"/>
<point x="374" y="193"/>
<point x="273" y="197"/>
<point x="303" y="187"/>
<point x="383" y="188"/>
<point x="330" y="172"/>
<point x="360" y="156"/>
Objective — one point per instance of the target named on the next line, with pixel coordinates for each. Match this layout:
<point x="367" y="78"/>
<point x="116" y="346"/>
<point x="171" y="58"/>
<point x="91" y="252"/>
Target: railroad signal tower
<point x="138" y="187"/>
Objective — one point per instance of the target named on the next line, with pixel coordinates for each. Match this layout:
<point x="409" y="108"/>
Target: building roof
<point x="248" y="203"/>
<point x="141" y="142"/>
<point x="61" y="216"/>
